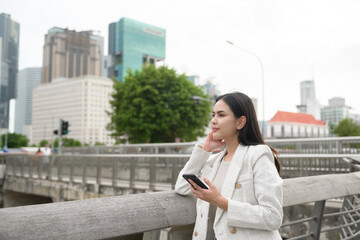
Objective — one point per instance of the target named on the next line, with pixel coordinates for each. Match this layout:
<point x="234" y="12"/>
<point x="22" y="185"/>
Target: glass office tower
<point x="131" y="44"/>
<point x="9" y="52"/>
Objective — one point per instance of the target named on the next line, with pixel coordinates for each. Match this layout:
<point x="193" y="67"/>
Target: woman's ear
<point x="241" y="122"/>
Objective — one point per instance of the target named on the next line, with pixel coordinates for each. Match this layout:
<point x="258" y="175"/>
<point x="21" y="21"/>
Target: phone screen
<point x="195" y="179"/>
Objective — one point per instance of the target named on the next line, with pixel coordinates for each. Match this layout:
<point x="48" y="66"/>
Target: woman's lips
<point x="215" y="129"/>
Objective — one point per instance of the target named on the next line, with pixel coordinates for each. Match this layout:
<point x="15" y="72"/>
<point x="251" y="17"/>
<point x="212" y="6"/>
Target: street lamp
<point x="199" y="99"/>
<point x="262" y="81"/>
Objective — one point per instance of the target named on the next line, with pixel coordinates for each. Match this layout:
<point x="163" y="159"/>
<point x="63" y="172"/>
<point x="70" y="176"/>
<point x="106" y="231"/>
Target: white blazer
<point x="253" y="188"/>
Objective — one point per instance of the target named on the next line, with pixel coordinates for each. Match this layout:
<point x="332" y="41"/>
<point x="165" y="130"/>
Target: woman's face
<point x="224" y="124"/>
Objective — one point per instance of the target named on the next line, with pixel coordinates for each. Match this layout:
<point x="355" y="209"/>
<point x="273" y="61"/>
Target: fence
<point x="333" y="145"/>
<point x="127" y="215"/>
<point x="150" y="171"/>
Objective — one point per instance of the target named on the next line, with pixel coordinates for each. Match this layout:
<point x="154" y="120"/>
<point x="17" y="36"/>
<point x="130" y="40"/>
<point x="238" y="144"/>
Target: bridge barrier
<point x="124" y="216"/>
<point x="328" y="145"/>
<point x="154" y="172"/>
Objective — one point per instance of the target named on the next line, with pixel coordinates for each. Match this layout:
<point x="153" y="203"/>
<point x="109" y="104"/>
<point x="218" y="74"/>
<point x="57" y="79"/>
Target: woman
<point x="244" y="199"/>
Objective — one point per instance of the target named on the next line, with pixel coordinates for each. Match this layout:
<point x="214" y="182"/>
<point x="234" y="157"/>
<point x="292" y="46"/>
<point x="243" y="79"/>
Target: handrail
<point x="124" y="215"/>
<point x="355" y="157"/>
<point x="268" y="140"/>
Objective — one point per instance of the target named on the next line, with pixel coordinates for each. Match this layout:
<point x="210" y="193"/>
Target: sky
<point x="295" y="40"/>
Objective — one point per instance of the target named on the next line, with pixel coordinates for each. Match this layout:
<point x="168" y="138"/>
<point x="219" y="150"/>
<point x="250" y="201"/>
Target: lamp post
<point x="262" y="81"/>
<point x="198" y="99"/>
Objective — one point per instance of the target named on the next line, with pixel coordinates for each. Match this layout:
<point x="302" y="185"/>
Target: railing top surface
<point x="282" y="155"/>
<point x="148" y="145"/>
<point x="128" y="214"/>
<point x="323" y="139"/>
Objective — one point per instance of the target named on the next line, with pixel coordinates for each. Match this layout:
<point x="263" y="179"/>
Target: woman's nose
<point x="213" y="120"/>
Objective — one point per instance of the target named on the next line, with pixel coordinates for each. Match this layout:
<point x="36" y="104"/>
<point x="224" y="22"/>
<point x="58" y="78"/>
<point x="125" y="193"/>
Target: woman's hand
<point x="211" y="195"/>
<point x="211" y="144"/>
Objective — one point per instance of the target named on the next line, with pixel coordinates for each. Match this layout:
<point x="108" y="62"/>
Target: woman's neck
<point x="231" y="146"/>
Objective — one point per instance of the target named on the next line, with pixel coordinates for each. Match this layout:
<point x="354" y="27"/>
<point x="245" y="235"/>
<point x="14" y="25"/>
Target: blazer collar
<point x="231" y="176"/>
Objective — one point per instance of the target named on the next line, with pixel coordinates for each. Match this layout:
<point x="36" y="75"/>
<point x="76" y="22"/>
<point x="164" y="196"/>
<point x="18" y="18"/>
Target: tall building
<point x="307" y="91"/>
<point x="335" y="111"/>
<point x="9" y="34"/>
<point x="82" y="101"/>
<point x="194" y="79"/>
<point x="29" y="78"/>
<point x="131" y="44"/>
<point x="68" y="54"/>
<point x="308" y="102"/>
<point x="210" y="89"/>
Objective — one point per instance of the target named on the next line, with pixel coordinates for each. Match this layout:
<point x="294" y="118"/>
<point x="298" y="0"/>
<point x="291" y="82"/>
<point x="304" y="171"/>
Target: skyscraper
<point x="307" y="91"/>
<point x="9" y="34"/>
<point x="29" y="78"/>
<point x="308" y="102"/>
<point x="68" y="54"/>
<point x="131" y="44"/>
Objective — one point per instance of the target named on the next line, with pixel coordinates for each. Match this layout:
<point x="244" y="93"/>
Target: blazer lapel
<point x="231" y="176"/>
<point x="216" y="166"/>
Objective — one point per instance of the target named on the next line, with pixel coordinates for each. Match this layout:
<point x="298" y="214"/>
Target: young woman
<point x="244" y="199"/>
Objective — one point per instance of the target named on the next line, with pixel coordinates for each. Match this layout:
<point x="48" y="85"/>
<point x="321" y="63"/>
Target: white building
<point x="295" y="125"/>
<point x="335" y="111"/>
<point x="82" y="101"/>
<point x="29" y="78"/>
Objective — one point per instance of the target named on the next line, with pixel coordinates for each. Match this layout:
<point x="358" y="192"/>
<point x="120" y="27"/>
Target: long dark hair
<point x="241" y="105"/>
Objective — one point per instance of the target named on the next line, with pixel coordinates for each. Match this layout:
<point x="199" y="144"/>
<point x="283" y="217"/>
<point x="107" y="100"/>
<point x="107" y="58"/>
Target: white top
<point x="218" y="182"/>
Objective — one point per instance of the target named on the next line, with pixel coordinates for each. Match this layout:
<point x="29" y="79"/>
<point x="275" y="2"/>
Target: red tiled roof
<point x="281" y="116"/>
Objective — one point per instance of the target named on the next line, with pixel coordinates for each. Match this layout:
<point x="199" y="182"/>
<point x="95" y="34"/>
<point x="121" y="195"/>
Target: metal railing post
<point x="315" y="225"/>
<point x="84" y="178"/>
<point x="71" y="177"/>
<point x="114" y="172"/>
<point x="153" y="162"/>
<point x="31" y="161"/>
<point x="132" y="172"/>
<point x="60" y="166"/>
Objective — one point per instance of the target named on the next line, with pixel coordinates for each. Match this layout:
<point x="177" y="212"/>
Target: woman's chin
<point x="216" y="137"/>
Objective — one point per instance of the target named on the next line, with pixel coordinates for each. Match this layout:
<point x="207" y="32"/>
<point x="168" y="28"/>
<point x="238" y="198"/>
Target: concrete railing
<point x="130" y="214"/>
<point x="328" y="145"/>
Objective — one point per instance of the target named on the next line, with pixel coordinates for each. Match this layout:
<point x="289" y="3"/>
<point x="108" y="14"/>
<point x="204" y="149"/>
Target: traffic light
<point x="64" y="127"/>
<point x="55" y="132"/>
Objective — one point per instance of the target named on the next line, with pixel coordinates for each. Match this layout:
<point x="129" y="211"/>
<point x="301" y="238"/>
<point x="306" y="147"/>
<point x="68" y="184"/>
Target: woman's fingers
<point x="194" y="185"/>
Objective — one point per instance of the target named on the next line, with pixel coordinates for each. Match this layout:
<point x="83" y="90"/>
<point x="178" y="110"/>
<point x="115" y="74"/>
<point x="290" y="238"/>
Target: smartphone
<point x="195" y="180"/>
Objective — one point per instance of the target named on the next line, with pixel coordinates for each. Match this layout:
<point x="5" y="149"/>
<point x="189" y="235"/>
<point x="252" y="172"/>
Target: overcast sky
<point x="296" y="40"/>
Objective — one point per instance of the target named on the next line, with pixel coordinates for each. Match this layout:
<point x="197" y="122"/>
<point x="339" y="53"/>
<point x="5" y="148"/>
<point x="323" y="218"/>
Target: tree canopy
<point x="347" y="127"/>
<point x="43" y="142"/>
<point x="14" y="140"/>
<point x="156" y="105"/>
<point x="67" y="142"/>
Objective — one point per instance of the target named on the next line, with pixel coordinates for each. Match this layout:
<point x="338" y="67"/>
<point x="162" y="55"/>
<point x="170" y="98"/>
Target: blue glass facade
<point x="131" y="44"/>
<point x="9" y="49"/>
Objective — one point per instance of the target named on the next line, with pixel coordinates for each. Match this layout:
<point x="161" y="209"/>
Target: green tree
<point x="156" y="105"/>
<point x="14" y="140"/>
<point x="67" y="142"/>
<point x="43" y="143"/>
<point x="347" y="127"/>
<point x="99" y="144"/>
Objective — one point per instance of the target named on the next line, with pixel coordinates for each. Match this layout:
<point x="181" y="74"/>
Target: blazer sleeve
<point x="268" y="189"/>
<point x="194" y="165"/>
